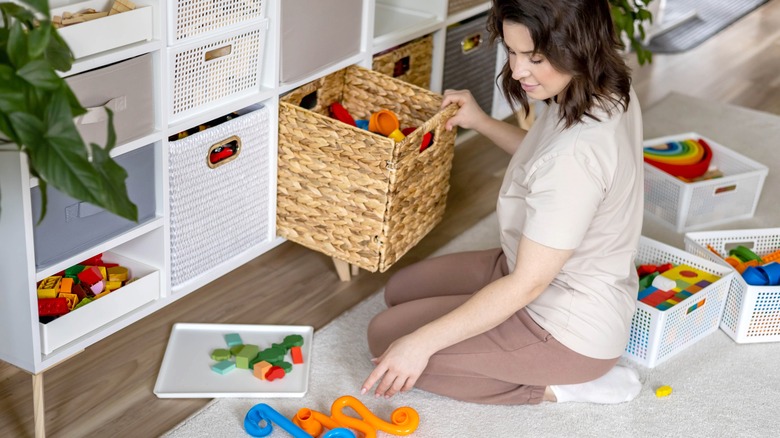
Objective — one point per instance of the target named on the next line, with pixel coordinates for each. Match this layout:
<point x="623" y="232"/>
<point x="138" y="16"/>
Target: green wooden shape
<point x="272" y="355"/>
<point x="647" y="281"/>
<point x="286" y="366"/>
<point x="223" y="367"/>
<point x="293" y="341"/>
<point x="220" y="354"/>
<point x="246" y="355"/>
<point x="234" y="350"/>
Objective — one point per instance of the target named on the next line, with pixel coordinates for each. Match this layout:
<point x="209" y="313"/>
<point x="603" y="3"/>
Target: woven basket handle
<point x="435" y="124"/>
<point x="223" y="152"/>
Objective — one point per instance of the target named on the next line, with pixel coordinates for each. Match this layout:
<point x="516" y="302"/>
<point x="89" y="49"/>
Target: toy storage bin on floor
<point x="349" y="193"/>
<point x="207" y="73"/>
<point x="411" y="62"/>
<point x="689" y="206"/>
<point x="218" y="210"/>
<point x="657" y="335"/>
<point x="189" y="19"/>
<point x="752" y="313"/>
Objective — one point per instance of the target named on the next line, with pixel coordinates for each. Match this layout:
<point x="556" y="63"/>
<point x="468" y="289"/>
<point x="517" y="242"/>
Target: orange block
<point x="261" y="369"/>
<point x="297" y="356"/>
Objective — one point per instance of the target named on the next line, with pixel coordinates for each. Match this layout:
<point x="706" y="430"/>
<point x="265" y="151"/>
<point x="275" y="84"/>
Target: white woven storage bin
<point x="657" y="335"/>
<point x="192" y="18"/>
<point x="218" y="212"/>
<point x="752" y="313"/>
<point x="208" y="73"/>
<point x="690" y="206"/>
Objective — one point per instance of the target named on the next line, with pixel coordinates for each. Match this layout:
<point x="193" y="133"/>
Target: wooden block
<point x="286" y="366"/>
<point x="220" y="354"/>
<point x="121" y="6"/>
<point x="247" y="354"/>
<point x="72" y="20"/>
<point x="297" y="355"/>
<point x="260" y="369"/>
<point x="223" y="367"/>
<point x="274" y="373"/>
<point x="233" y="339"/>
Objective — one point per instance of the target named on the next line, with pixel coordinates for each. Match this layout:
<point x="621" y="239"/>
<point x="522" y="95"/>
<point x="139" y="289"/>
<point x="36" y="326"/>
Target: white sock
<point x="620" y="384"/>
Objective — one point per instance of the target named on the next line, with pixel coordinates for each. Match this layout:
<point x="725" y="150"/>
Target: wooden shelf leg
<point x="342" y="269"/>
<point x="39" y="413"/>
<point x="355" y="270"/>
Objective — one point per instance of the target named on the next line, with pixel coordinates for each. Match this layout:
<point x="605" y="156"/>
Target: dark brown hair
<point x="578" y="38"/>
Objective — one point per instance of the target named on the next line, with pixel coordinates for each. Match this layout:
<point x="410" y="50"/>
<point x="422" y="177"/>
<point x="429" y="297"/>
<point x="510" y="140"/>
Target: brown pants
<point x="512" y="363"/>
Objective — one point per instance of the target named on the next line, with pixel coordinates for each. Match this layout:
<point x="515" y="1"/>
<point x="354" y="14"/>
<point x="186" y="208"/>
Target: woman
<point x="547" y="315"/>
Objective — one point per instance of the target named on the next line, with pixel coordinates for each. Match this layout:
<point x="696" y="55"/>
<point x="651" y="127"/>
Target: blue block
<point x="223" y="367"/>
<point x="233" y="339"/>
<point x="646" y="292"/>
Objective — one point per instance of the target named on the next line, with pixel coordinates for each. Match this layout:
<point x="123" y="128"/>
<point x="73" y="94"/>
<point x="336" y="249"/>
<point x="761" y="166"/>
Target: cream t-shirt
<point x="580" y="188"/>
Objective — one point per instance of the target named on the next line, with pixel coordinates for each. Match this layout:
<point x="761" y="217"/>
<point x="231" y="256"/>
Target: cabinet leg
<point x="342" y="269"/>
<point x="355" y="270"/>
<point x="39" y="414"/>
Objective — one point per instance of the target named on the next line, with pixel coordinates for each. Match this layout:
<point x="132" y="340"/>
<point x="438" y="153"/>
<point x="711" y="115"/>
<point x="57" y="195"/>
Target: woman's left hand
<point x="398" y="367"/>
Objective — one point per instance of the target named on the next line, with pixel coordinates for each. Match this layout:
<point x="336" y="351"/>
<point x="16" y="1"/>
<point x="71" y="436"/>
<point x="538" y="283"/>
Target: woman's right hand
<point x="470" y="114"/>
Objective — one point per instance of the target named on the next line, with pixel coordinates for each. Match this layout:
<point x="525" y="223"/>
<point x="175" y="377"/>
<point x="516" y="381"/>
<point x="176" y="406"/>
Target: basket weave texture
<point x="349" y="193"/>
<point x="420" y="58"/>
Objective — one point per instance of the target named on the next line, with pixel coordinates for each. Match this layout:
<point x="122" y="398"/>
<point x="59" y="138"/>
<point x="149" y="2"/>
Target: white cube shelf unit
<point x="377" y="24"/>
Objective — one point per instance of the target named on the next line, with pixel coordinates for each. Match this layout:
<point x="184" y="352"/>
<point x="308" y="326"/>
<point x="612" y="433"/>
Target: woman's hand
<point x="470" y="114"/>
<point x="398" y="368"/>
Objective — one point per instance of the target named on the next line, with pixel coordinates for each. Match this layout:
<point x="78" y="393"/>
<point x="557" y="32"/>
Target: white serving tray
<point x="186" y="367"/>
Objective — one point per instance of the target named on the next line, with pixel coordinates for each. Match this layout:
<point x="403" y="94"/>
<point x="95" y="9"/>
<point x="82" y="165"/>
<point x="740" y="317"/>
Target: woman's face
<point x="535" y="73"/>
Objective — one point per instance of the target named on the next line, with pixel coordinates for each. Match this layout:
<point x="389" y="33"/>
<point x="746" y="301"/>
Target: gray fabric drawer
<point x="71" y="226"/>
<point x="125" y="87"/>
<point x="470" y="61"/>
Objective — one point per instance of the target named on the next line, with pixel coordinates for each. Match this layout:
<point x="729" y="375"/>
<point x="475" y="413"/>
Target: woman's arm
<point x="470" y="116"/>
<point x="403" y="362"/>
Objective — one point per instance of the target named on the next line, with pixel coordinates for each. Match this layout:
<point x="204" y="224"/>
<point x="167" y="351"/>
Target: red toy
<point x="337" y="111"/>
<point x="426" y="140"/>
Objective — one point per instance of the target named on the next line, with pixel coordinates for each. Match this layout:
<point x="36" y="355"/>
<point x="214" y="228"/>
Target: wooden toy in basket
<point x="359" y="197"/>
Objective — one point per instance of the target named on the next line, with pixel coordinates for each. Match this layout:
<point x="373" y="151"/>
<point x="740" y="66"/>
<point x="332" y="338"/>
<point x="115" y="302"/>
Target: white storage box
<point x="208" y="73"/>
<point x="752" y="313"/>
<point x="316" y="34"/>
<point x="219" y="210"/>
<point x="106" y="33"/>
<point x="695" y="205"/>
<point x="189" y="19"/>
<point x="79" y="322"/>
<point x="657" y="335"/>
<point x="126" y="88"/>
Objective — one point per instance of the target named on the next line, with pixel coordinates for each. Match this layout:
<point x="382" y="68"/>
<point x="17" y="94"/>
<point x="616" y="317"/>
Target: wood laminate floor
<point x="106" y="391"/>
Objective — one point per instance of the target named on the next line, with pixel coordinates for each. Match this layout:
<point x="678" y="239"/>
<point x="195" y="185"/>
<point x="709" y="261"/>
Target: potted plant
<point x="630" y="18"/>
<point x="37" y="108"/>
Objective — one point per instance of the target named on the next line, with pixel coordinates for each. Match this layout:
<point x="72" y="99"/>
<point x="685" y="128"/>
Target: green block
<point x="286" y="366"/>
<point x="272" y="355"/>
<point x="246" y="355"/>
<point x="234" y="350"/>
<point x="223" y="367"/>
<point x="84" y="301"/>
<point x="220" y="354"/>
<point x="293" y="341"/>
<point x="74" y="270"/>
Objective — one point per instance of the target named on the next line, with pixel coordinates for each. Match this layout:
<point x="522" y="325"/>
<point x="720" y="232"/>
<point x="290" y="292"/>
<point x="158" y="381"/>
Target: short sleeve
<point x="564" y="193"/>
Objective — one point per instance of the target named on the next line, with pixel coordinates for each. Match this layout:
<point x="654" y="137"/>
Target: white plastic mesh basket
<point x="206" y="74"/>
<point x="191" y="18"/>
<point x="217" y="213"/>
<point x="752" y="313"/>
<point x="690" y="206"/>
<point x="657" y="335"/>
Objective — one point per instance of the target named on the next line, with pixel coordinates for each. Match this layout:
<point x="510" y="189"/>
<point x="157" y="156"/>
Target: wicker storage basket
<point x="411" y="62"/>
<point x="352" y="194"/>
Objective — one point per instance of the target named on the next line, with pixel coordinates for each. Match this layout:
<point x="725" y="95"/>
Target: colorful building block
<point x="233" y="339"/>
<point x="663" y="391"/>
<point x="293" y="341"/>
<point x="260" y="369"/>
<point x="296" y="354"/>
<point x="49" y="287"/>
<point x="274" y="373"/>
<point x="52" y="306"/>
<point x="66" y="285"/>
<point x="247" y="354"/>
<point x="220" y="354"/>
<point x="118" y="273"/>
<point x="272" y="355"/>
<point x="72" y="299"/>
<point x="90" y="275"/>
<point x="223" y="367"/>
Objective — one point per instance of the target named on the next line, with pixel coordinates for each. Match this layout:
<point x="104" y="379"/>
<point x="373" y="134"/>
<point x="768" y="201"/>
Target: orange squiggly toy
<point x="403" y="421"/>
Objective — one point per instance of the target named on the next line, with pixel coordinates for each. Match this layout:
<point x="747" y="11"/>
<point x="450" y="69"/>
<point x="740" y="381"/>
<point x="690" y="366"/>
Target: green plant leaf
<point x="12" y="97"/>
<point x="40" y="75"/>
<point x="39" y="39"/>
<point x="115" y="196"/>
<point x="41" y="6"/>
<point x="17" y="45"/>
<point x="28" y="128"/>
<point x="58" y="53"/>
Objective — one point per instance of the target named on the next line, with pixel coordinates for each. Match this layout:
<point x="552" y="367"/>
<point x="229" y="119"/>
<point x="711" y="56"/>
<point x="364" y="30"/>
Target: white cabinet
<point x="373" y="26"/>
